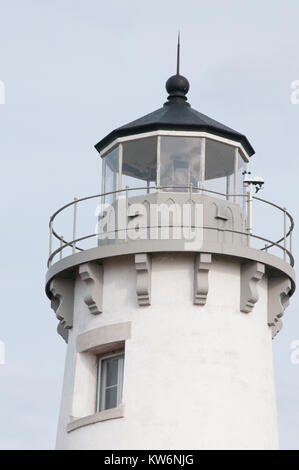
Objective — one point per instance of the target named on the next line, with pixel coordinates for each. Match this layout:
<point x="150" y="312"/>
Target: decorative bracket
<point x="251" y="273"/>
<point x="202" y="265"/>
<point x="92" y="275"/>
<point x="62" y="302"/>
<point x="276" y="328"/>
<point x="143" y="284"/>
<point x="63" y="332"/>
<point x="278" y="300"/>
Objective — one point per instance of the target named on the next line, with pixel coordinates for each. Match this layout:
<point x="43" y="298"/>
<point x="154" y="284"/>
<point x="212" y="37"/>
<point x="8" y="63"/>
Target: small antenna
<point x="178" y="56"/>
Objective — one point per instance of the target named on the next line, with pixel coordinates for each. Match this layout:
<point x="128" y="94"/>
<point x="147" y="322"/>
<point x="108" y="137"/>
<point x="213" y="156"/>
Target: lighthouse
<point x="169" y="299"/>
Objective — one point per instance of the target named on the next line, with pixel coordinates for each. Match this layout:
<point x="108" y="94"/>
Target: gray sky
<point x="73" y="71"/>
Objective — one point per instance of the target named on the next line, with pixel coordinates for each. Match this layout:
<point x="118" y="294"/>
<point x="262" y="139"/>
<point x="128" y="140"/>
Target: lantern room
<point x="173" y="149"/>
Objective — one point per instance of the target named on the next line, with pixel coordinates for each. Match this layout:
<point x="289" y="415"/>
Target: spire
<point x="177" y="86"/>
<point x="178" y="56"/>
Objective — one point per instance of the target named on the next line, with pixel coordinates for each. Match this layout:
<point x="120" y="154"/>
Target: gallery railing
<point x="283" y="244"/>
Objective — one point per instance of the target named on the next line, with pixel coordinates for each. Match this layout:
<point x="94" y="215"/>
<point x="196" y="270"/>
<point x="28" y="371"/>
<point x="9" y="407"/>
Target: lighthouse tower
<point x="169" y="306"/>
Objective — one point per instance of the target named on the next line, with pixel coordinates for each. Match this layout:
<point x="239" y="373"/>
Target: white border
<point x="177" y="134"/>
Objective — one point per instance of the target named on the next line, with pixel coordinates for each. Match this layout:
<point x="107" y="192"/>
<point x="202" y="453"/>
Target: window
<point x="111" y="175"/>
<point x="139" y="164"/>
<point x="219" y="167"/>
<point x="110" y="381"/>
<point x="180" y="162"/>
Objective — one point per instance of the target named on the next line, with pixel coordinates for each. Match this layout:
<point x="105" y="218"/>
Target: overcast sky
<point x="76" y="69"/>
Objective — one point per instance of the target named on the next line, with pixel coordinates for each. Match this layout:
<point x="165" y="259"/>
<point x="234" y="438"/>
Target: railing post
<point x="127" y="199"/>
<point x="74" y="225"/>
<point x="284" y="233"/>
<point x="61" y="247"/>
<point x="202" y="164"/>
<point x="127" y="205"/>
<point x="158" y="162"/>
<point x="190" y="202"/>
<point x="190" y="191"/>
<point x="227" y="187"/>
<point x="235" y="175"/>
<point x="50" y="240"/>
<point x="244" y="188"/>
<point x="249" y="211"/>
<point x="291" y="242"/>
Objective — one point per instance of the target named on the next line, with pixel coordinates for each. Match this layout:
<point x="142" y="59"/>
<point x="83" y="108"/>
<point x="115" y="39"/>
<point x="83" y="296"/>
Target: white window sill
<point x="113" y="413"/>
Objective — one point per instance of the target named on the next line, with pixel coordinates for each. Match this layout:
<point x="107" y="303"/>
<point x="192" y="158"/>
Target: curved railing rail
<point x="288" y="222"/>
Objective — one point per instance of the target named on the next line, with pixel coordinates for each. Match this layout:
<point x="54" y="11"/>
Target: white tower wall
<point x="195" y="376"/>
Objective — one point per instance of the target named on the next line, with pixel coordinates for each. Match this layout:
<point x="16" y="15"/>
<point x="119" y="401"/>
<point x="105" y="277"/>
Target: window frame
<point x="102" y="375"/>
<point x="232" y="183"/>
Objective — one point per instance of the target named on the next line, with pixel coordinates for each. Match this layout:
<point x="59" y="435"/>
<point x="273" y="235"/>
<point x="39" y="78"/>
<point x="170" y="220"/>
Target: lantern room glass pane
<point x="139" y="165"/>
<point x="219" y="167"/>
<point x="111" y="175"/>
<point x="180" y="159"/>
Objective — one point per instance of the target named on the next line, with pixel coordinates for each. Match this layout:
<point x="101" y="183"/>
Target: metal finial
<point x="178" y="56"/>
<point x="177" y="85"/>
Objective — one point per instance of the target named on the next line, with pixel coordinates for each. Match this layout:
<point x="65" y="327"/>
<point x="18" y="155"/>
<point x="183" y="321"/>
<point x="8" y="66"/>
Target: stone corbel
<point x="62" y="302"/>
<point x="92" y="275"/>
<point x="278" y="300"/>
<point x="251" y="273"/>
<point x="276" y="328"/>
<point x="143" y="284"/>
<point x="202" y="266"/>
<point x="63" y="332"/>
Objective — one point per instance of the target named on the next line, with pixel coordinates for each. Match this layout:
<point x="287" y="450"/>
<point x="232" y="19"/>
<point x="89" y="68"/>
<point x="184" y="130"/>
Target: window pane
<point x="219" y="163"/>
<point x="111" y="398"/>
<point x="111" y="175"/>
<point x="110" y="382"/>
<point x="218" y="185"/>
<point x="219" y="159"/>
<point x="180" y="162"/>
<point x="139" y="167"/>
<point x="112" y="372"/>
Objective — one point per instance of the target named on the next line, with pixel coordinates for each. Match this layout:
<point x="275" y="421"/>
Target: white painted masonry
<point x="195" y="376"/>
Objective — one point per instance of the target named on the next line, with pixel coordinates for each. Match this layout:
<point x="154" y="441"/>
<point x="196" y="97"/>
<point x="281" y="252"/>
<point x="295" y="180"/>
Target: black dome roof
<point x="176" y="114"/>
